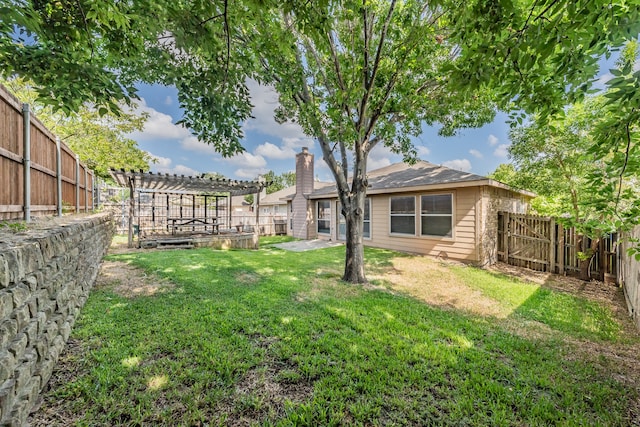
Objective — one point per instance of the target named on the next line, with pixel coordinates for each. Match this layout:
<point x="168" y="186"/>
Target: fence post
<point x="552" y="245"/>
<point x="77" y="184"/>
<point x="26" y="161"/>
<point x="505" y="236"/>
<point x="132" y="209"/>
<point x="86" y="190"/>
<point x="58" y="177"/>
<point x="560" y="249"/>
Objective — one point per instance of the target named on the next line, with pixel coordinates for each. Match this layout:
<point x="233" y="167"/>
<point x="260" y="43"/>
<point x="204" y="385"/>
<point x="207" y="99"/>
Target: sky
<point x="273" y="146"/>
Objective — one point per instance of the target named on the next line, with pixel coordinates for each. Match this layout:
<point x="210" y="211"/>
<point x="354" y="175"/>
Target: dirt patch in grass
<point x="434" y="283"/>
<point x="130" y="281"/>
<point x="264" y="390"/>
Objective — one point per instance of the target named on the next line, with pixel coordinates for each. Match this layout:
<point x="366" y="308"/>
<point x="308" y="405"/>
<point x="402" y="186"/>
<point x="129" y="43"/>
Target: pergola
<point x="183" y="185"/>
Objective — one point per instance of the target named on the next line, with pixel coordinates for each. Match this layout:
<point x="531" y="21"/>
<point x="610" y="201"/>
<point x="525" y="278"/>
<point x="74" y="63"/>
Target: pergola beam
<point x="180" y="183"/>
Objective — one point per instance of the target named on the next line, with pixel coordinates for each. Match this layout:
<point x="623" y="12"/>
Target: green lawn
<point x="274" y="337"/>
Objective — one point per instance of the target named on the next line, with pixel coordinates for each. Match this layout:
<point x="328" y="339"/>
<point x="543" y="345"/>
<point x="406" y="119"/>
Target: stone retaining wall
<point x="46" y="274"/>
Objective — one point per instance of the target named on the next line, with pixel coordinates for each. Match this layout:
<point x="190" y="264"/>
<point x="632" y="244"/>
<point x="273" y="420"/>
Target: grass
<point x="272" y="337"/>
<point x="575" y="316"/>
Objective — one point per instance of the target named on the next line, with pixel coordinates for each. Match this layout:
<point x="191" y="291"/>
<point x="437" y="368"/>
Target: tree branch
<point x="86" y="26"/>
<point x="626" y="162"/>
<point x="369" y="81"/>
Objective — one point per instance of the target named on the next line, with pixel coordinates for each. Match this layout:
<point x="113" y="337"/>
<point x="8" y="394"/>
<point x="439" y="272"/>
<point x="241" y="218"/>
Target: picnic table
<point x="179" y="223"/>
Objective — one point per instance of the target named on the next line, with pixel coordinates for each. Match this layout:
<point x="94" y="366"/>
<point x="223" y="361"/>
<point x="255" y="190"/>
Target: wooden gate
<point x="541" y="244"/>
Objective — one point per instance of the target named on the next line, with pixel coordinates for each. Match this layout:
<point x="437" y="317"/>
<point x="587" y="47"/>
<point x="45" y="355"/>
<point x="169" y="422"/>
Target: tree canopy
<point x="279" y="181"/>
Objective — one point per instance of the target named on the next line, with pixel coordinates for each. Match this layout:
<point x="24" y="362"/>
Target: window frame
<point x="450" y="215"/>
<point x="327" y="211"/>
<point x="392" y="215"/>
<point x="342" y="220"/>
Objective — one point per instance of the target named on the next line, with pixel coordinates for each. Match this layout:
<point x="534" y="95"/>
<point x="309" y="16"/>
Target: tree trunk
<point x="354" y="219"/>
<point x="585" y="261"/>
<point x="354" y="259"/>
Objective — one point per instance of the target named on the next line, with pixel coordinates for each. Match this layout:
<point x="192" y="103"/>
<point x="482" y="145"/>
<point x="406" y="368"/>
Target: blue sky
<point x="271" y="146"/>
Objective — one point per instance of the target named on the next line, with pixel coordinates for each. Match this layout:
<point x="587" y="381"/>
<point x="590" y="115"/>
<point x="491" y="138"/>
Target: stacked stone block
<point x="45" y="279"/>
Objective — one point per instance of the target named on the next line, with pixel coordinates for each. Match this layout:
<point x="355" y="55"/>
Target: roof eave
<point x="433" y="187"/>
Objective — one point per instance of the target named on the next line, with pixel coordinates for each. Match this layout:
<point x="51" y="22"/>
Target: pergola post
<point x="132" y="209"/>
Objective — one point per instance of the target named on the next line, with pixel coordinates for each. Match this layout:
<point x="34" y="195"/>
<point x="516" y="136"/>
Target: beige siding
<point x="461" y="247"/>
<point x="494" y="200"/>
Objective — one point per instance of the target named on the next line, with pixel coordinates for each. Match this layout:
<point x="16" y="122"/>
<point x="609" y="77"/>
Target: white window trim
<point x="453" y="216"/>
<point x="415" y="216"/>
<point x="324" y="233"/>
<point x="339" y="216"/>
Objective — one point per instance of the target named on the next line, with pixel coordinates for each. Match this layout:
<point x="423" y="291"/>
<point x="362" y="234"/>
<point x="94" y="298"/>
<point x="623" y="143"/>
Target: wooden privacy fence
<point x="630" y="273"/>
<point x="542" y="244"/>
<point x="39" y="175"/>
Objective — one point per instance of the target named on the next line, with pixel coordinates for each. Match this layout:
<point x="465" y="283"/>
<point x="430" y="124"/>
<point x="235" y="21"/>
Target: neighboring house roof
<point x="284" y="195"/>
<point x="279" y="197"/>
<point x="420" y="176"/>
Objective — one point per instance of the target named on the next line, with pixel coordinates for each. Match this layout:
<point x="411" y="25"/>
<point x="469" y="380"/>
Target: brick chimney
<point x="301" y="215"/>
<point x="304" y="172"/>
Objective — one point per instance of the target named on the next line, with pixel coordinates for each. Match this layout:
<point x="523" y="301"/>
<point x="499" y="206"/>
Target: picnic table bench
<point x="179" y="223"/>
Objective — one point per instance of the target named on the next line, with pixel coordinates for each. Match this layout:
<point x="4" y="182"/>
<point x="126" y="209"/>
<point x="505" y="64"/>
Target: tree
<point x="365" y="74"/>
<point x="279" y="182"/>
<point x="100" y="141"/>
<point x="584" y="163"/>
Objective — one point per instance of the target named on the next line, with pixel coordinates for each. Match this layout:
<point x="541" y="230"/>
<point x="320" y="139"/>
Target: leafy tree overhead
<point x="539" y="55"/>
<point x="79" y="51"/>
<point x="100" y="141"/>
<point x="279" y="182"/>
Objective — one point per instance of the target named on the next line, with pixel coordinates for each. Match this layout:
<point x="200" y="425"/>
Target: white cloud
<point x="192" y="143"/>
<point x="501" y="150"/>
<point x="380" y="157"/>
<point x="492" y="140"/>
<point x="158" y="125"/>
<point x="265" y="100"/>
<point x="463" y="165"/>
<point x="247" y="159"/>
<point x="159" y="162"/>
<point x="250" y="173"/>
<point x="272" y="151"/>
<point x="475" y="153"/>
<point x="168" y="100"/>
<point x="184" y="170"/>
<point x="423" y="151"/>
<point x="163" y="165"/>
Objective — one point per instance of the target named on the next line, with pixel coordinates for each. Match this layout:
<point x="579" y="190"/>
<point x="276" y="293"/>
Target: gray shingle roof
<point x="401" y="176"/>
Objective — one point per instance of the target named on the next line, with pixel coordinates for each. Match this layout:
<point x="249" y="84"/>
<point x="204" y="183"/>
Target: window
<point x="403" y="215"/>
<point x="324" y="217"/>
<point x="437" y="215"/>
<point x="342" y="225"/>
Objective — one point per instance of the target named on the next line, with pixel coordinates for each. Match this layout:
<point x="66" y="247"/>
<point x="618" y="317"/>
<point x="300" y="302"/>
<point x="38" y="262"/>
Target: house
<point x="422" y="208"/>
<point x="275" y="204"/>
